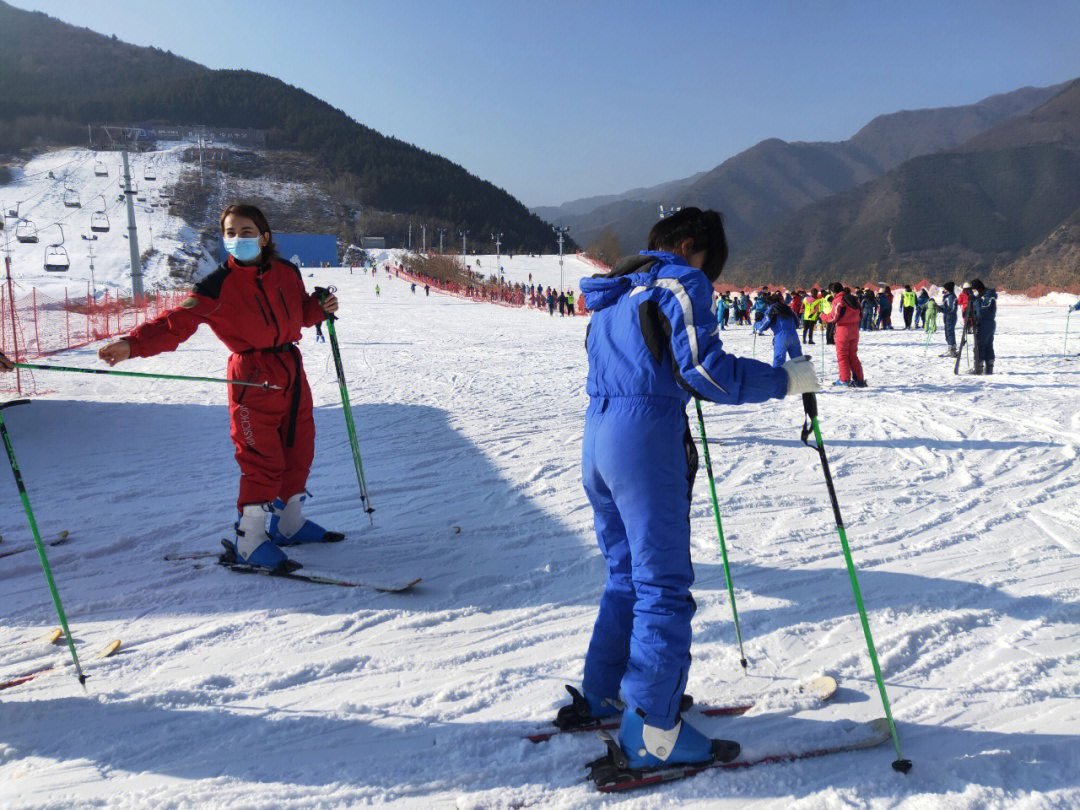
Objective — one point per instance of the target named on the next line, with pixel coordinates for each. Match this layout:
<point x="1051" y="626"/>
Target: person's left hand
<point x="330" y="304"/>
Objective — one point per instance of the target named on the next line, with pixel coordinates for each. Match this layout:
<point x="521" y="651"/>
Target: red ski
<point x="821" y="689"/>
<point x="609" y="777"/>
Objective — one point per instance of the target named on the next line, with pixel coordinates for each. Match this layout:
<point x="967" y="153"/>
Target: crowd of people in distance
<point x="838" y="314"/>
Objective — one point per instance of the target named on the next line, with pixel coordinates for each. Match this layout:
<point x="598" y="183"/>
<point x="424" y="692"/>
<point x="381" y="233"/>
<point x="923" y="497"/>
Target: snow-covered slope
<point x="959" y="494"/>
<point x="40" y="200"/>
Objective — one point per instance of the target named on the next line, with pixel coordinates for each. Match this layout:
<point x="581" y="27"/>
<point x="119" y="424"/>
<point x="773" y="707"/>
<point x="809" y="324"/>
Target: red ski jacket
<point x="846" y="314"/>
<point x="249" y="308"/>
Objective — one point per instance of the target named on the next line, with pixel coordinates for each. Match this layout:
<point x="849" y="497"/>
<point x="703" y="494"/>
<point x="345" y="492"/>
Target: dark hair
<point x="949" y="285"/>
<point x="705" y="228"/>
<point x="837" y="287"/>
<point x="976" y="284"/>
<point x="248" y="211"/>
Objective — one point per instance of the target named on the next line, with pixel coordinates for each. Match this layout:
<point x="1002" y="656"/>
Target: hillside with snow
<point x="959" y="494"/>
<point x="40" y="204"/>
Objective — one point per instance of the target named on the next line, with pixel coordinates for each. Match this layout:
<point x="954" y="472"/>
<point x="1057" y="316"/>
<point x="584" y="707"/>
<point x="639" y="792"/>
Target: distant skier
<point x="907" y="304"/>
<point x="652" y="344"/>
<point x="256" y="304"/>
<point x="885" y="304"/>
<point x="785" y="327"/>
<point x="412" y="287"/>
<point x="811" y="308"/>
<point x="845" y="314"/>
<point x="377" y="290"/>
<point x="920" y="307"/>
<point x="868" y="308"/>
<point x="570" y="302"/>
<point x="984" y="306"/>
<point x="427" y="290"/>
<point x="551" y="301"/>
<point x="724" y="309"/>
<point x="948" y="315"/>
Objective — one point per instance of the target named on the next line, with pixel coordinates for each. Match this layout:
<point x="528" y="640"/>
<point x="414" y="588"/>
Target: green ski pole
<point x="144" y="375"/>
<point x="719" y="529"/>
<point x="811" y="425"/>
<point x="37" y="538"/>
<point x="365" y="498"/>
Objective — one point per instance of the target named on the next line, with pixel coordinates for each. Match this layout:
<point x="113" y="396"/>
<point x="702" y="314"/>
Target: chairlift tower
<point x="463" y="254"/>
<point x="561" y="233"/>
<point x="441" y="232"/>
<point x="497" y="237"/>
<point x="133" y="234"/>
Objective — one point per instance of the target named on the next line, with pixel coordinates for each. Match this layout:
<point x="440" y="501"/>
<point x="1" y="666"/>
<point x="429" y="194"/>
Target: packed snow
<point x="959" y="494"/>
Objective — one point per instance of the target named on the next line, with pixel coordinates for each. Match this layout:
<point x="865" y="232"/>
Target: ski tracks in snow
<point x="958" y="494"/>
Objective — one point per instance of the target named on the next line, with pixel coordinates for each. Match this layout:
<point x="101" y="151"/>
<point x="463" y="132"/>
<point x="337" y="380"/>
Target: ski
<point x="820" y="689"/>
<point x="37" y="673"/>
<point x="195" y="555"/>
<point x="60" y="539"/>
<point x="315" y="579"/>
<point x="609" y="777"/>
<point x="960" y="348"/>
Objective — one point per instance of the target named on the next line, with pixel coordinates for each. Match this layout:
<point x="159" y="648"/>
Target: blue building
<point x="303" y="249"/>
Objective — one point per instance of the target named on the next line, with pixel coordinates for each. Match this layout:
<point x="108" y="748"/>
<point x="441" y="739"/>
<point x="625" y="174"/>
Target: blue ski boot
<point x="289" y="528"/>
<point x="649" y="748"/>
<point x="253" y="546"/>
<point x="586" y="710"/>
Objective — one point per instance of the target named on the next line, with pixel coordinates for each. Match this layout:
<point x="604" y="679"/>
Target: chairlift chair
<point x="56" y="256"/>
<point x="71" y="199"/>
<point x="148" y="173"/>
<point x="100" y="169"/>
<point x="99" y="220"/>
<point x="26" y="231"/>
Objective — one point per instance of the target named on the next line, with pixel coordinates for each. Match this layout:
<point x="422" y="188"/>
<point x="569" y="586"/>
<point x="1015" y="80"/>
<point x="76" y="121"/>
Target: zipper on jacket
<point x="281" y="297"/>
<point x="277" y="326"/>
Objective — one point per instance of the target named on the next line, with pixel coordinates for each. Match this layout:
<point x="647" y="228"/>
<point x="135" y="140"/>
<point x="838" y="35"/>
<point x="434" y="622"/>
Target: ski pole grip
<point x="13" y="403"/>
<point x="809" y="403"/>
<point x="322" y="293"/>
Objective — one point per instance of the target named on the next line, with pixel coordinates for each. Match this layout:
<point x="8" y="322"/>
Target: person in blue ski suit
<point x="985" y="310"/>
<point x="785" y="327"/>
<point x="948" y="315"/>
<point x="652" y="344"/>
<point x="724" y="307"/>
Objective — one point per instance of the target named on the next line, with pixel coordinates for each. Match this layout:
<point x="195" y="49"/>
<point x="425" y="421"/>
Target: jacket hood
<point x="604" y="289"/>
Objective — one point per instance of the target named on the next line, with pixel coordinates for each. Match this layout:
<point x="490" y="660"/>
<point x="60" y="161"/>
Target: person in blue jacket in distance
<point x="785" y="326"/>
<point x="652" y="344"/>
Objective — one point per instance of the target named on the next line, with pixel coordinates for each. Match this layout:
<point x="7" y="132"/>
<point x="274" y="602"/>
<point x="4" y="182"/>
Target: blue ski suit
<point x="985" y="325"/>
<point x="652" y="342"/>
<point x="785" y="340"/>
<point x="948" y="312"/>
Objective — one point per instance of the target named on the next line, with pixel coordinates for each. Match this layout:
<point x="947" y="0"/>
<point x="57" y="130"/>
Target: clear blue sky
<point x="557" y="100"/>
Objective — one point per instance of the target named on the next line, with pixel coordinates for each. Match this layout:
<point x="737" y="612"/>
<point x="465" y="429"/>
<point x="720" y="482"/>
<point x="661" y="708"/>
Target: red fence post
<point x="37" y="340"/>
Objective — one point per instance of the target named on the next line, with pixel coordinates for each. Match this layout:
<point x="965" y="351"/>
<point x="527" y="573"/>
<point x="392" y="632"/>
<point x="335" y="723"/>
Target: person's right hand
<point x="801" y="378"/>
<point x="5" y="363"/>
<point x="115" y="352"/>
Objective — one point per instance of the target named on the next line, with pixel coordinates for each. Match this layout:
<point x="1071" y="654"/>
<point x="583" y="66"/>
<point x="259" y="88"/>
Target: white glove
<point x="801" y="378"/>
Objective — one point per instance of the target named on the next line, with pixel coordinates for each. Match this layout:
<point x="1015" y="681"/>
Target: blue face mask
<point x="243" y="250"/>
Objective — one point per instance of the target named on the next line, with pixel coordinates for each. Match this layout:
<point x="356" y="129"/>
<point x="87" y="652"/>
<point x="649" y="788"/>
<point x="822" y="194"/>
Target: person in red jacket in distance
<point x="846" y="313"/>
<point x="256" y="304"/>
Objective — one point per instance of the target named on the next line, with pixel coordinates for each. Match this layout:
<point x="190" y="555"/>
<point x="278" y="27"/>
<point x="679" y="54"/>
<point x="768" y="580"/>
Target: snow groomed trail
<point x="959" y="495"/>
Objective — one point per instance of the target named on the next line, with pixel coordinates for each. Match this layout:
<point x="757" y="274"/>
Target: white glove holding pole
<point x="801" y="378"/>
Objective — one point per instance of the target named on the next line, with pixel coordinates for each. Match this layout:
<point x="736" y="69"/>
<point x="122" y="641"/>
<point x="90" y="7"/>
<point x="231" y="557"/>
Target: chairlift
<point x="141" y="197"/>
<point x="100" y="169"/>
<point x="26" y="231"/>
<point x="56" y="255"/>
<point x="99" y="220"/>
<point x="148" y="173"/>
<point x="71" y="199"/>
<point x="14" y="212"/>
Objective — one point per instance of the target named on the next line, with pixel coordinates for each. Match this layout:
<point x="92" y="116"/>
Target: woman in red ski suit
<point x="846" y="314"/>
<point x="256" y="307"/>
